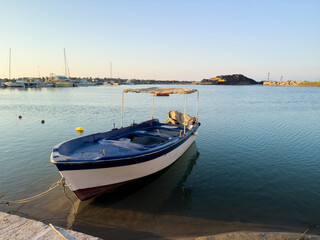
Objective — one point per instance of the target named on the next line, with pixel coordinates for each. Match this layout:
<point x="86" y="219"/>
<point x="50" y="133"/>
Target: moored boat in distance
<point x="29" y="83"/>
<point x="47" y="84"/>
<point x="60" y="81"/>
<point x="97" y="162"/>
<point x="2" y="85"/>
<point x="85" y="83"/>
<point x="18" y="83"/>
<point x="130" y="82"/>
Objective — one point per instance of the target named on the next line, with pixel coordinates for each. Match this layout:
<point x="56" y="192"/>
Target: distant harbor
<point x="63" y="81"/>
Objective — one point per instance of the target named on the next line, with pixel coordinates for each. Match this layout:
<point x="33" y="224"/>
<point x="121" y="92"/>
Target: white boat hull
<point x="14" y="84"/>
<point x="88" y="181"/>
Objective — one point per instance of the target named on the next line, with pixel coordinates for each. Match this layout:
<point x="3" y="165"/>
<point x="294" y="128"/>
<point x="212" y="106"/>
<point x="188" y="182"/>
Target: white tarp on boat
<point x="156" y="90"/>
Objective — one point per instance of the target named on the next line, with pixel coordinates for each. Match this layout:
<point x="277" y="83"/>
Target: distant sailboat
<point x="10" y="83"/>
<point x="66" y="66"/>
<point x="62" y="81"/>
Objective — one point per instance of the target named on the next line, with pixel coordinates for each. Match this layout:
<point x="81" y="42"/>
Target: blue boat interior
<point x="143" y="138"/>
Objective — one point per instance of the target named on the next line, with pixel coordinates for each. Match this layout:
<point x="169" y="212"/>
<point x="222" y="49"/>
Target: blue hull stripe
<point x="120" y="162"/>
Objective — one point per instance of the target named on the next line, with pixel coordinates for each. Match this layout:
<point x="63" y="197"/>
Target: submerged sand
<point x="16" y="227"/>
<point x="256" y="236"/>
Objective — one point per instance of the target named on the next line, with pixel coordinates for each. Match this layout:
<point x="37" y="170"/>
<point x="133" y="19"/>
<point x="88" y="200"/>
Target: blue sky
<point x="181" y="40"/>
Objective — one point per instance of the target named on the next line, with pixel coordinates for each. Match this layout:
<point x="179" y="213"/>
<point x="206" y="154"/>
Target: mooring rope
<point x="61" y="182"/>
<point x="307" y="230"/>
<point x="60" y="234"/>
<point x="73" y="207"/>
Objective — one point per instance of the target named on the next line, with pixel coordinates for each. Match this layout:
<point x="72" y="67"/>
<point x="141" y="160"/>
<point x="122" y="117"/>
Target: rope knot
<point x="62" y="182"/>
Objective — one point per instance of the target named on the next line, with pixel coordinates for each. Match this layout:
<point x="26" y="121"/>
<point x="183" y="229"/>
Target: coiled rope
<point x="61" y="182"/>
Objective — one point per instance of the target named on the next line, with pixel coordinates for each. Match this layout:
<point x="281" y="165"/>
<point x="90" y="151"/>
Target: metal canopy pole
<point x="122" y="109"/>
<point x="197" y="105"/>
<point x="184" y="115"/>
<point x="152" y="106"/>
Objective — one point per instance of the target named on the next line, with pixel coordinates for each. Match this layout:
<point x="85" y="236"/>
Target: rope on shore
<point x="307" y="230"/>
<point x="61" y="182"/>
<point x="60" y="234"/>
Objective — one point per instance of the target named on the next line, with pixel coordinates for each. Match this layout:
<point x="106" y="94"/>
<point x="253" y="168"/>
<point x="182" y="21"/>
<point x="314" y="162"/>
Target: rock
<point x="235" y="79"/>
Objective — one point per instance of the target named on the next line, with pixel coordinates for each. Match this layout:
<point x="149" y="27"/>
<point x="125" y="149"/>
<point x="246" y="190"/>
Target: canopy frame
<point x="155" y="90"/>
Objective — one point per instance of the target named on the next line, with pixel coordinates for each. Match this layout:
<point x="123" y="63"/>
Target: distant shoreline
<point x="223" y="80"/>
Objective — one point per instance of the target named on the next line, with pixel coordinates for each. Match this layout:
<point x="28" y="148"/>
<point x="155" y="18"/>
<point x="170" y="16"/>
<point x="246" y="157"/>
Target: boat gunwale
<point x="149" y="152"/>
<point x="127" y="160"/>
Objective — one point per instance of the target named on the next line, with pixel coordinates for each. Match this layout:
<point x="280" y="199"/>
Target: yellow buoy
<point x="79" y="129"/>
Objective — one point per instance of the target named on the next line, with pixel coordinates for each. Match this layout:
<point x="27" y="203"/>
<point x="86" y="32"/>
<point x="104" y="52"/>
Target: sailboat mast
<point x="9" y="63"/>
<point x="110" y="69"/>
<point x="39" y="71"/>
<point x="65" y="63"/>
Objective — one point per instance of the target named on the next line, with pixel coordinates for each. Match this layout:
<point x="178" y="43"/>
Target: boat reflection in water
<point x="149" y="195"/>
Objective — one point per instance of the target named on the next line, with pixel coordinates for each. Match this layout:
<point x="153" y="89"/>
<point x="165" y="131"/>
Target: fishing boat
<point x="97" y="162"/>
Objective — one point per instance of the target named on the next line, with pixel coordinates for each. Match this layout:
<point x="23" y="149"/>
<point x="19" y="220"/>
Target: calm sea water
<point x="255" y="163"/>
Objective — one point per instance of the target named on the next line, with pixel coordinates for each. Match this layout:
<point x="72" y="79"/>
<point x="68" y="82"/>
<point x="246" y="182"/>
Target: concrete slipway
<point x="15" y="227"/>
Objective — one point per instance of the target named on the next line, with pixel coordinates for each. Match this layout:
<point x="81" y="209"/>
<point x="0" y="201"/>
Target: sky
<point x="161" y="39"/>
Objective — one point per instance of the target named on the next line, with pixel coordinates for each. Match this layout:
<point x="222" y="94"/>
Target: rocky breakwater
<point x="292" y="83"/>
<point x="235" y="79"/>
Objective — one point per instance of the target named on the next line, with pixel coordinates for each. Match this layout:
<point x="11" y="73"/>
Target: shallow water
<point x="255" y="163"/>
